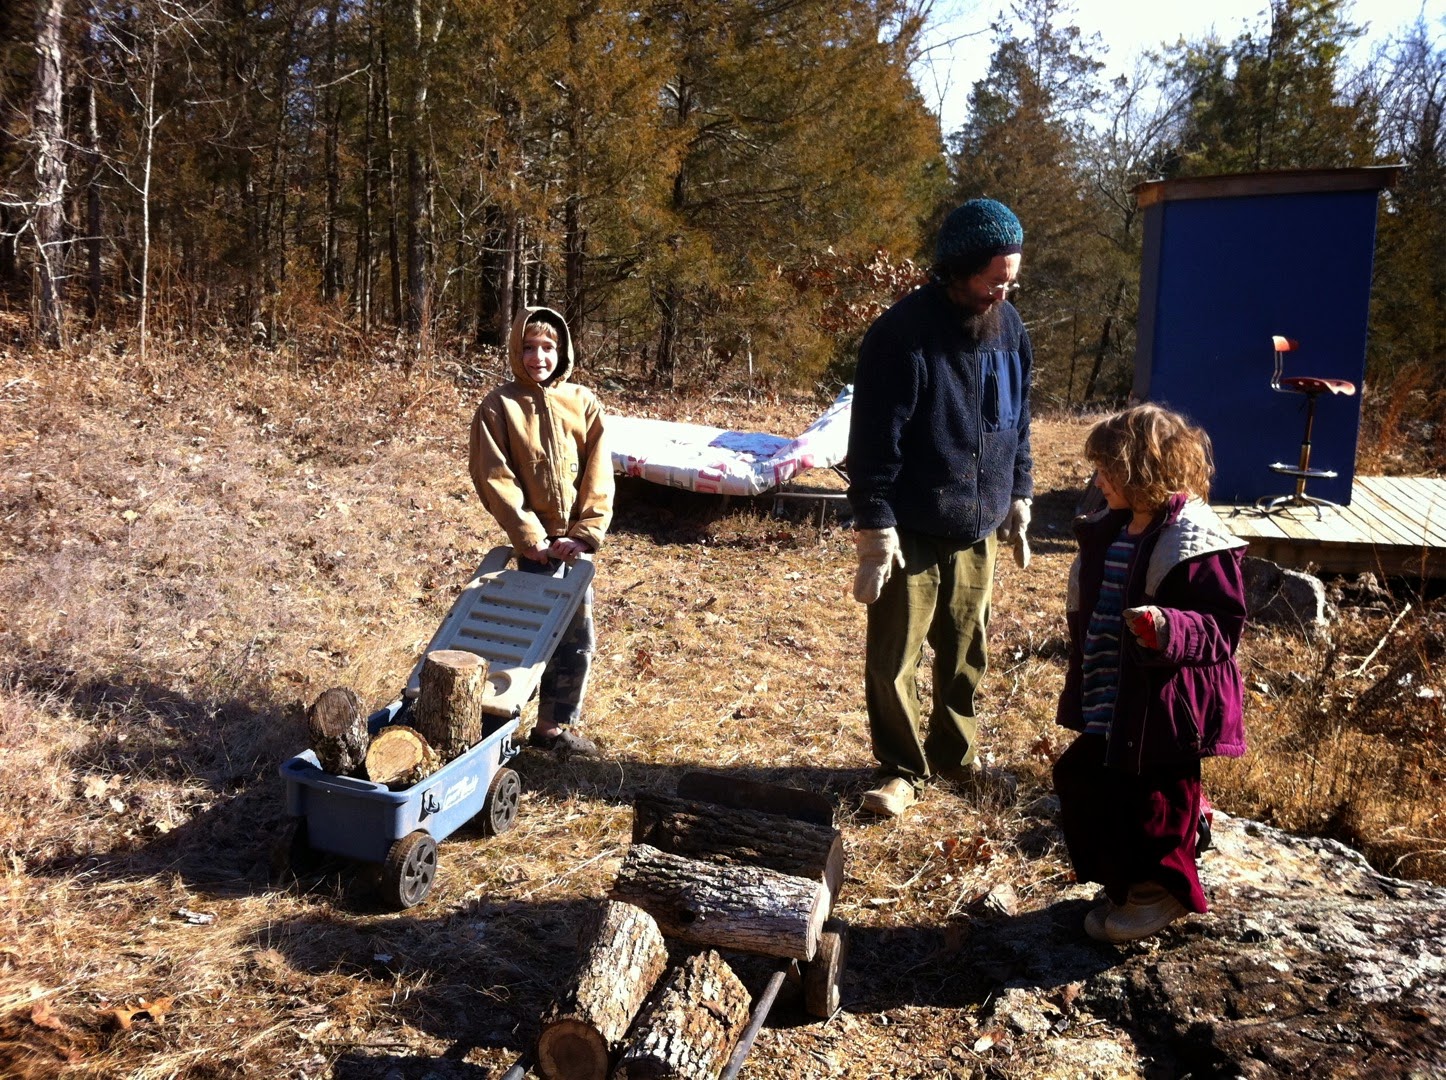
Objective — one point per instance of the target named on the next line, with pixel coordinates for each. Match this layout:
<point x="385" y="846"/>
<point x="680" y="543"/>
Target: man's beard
<point x="985" y="324"/>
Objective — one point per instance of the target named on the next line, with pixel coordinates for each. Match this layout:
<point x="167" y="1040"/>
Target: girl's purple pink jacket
<point x="1183" y="701"/>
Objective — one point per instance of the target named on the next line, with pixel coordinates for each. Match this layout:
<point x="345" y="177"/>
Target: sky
<point x="959" y="42"/>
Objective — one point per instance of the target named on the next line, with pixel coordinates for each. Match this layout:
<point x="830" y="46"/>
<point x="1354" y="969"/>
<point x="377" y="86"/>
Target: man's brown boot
<point x="891" y="798"/>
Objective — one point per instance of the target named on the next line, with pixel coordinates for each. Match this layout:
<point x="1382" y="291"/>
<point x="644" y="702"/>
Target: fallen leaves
<point x="125" y="1015"/>
<point x="42" y="1015"/>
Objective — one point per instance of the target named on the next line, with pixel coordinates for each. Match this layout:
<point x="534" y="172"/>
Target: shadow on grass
<point x="153" y="750"/>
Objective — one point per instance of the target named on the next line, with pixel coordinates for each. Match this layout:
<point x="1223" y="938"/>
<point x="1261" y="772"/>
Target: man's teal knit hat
<point x="976" y="232"/>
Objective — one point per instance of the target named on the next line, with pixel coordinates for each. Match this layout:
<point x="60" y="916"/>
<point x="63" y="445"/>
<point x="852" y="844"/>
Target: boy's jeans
<point x="564" y="679"/>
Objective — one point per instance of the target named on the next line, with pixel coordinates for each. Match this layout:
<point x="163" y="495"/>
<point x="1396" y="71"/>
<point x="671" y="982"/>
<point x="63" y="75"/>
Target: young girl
<point x="1156" y="606"/>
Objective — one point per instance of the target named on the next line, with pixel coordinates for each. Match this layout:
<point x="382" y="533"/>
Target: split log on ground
<point x="689" y="1028"/>
<point x="399" y="756"/>
<point x="723" y="834"/>
<point x="448" y="712"/>
<point x="338" y="731"/>
<point x="621" y="956"/>
<point x="727" y="906"/>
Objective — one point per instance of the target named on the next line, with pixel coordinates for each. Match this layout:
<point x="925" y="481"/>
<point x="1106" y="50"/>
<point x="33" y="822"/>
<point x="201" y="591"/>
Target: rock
<point x="1309" y="963"/>
<point x="1285" y="598"/>
<point x="1002" y="900"/>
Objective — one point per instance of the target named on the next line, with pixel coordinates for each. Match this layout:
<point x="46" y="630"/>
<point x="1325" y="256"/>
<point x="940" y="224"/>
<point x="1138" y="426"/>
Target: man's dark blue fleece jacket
<point x="939" y="435"/>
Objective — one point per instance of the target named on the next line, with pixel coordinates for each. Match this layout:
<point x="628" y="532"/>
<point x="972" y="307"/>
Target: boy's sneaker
<point x="1149" y="909"/>
<point x="891" y="798"/>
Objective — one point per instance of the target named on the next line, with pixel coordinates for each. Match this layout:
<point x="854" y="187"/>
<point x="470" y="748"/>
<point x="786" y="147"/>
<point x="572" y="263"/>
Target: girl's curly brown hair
<point x="1149" y="453"/>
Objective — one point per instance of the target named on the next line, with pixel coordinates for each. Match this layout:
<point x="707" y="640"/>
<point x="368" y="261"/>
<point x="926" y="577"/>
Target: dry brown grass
<point x="189" y="554"/>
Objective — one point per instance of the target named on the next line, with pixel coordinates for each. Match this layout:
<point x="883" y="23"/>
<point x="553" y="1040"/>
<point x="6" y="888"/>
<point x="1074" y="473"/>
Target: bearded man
<point x="940" y="471"/>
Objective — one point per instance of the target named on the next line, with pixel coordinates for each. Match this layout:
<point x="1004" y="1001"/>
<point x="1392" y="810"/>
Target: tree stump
<point x="727" y="906"/>
<point x="338" y="731"/>
<point x="689" y="1029"/>
<point x="448" y="712"/>
<point x="399" y="757"/>
<point x="621" y="956"/>
<point x="721" y="834"/>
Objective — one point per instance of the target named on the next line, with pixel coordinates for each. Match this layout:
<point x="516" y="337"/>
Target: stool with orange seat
<point x="1311" y="387"/>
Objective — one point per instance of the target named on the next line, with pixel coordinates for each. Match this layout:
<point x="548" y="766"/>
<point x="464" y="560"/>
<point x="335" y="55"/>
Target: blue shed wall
<point x="1219" y="277"/>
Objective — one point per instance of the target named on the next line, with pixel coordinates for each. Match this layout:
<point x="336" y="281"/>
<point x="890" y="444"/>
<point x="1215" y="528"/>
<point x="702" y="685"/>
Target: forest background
<point x="710" y="190"/>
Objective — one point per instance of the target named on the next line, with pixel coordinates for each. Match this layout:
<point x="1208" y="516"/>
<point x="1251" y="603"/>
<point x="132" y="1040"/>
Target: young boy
<point x="539" y="464"/>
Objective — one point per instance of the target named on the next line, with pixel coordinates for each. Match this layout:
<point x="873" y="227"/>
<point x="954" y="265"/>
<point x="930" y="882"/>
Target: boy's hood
<point x="565" y="359"/>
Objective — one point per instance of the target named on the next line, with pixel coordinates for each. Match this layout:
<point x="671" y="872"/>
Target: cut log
<point x="448" y="712"/>
<point x="823" y="975"/>
<point x="727" y="906"/>
<point x="744" y="794"/>
<point x="722" y="834"/>
<point x="399" y="757"/>
<point x="689" y="1028"/>
<point x="338" y="731"/>
<point x="621" y="956"/>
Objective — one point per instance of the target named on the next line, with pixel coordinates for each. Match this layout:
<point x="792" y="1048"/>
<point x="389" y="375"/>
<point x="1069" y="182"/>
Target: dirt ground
<point x="189" y="557"/>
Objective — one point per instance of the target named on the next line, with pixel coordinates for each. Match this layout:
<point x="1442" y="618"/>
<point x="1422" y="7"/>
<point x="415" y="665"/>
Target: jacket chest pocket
<point x="1001" y="388"/>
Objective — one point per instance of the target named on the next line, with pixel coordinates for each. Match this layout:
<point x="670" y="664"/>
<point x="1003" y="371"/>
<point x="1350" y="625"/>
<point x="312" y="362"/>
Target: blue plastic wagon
<point x="513" y="619"/>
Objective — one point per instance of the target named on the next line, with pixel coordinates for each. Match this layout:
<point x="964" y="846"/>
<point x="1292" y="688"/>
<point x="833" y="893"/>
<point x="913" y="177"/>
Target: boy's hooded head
<point x="540" y="347"/>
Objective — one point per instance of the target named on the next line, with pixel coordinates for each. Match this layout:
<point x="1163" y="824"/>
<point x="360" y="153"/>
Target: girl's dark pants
<point x="1124" y="830"/>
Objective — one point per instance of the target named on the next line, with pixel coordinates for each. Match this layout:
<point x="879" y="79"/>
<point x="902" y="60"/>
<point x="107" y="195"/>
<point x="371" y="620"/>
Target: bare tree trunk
<point x="665" y="365"/>
<point x="50" y="178"/>
<point x="541" y="280"/>
<point x="93" y="279"/>
<point x="394" y="257"/>
<point x="507" y="278"/>
<point x="148" y="157"/>
<point x="1103" y="345"/>
<point x="419" y="188"/>
<point x="489" y="291"/>
<point x="363" y="274"/>
<point x="574" y="231"/>
<point x="574" y="266"/>
<point x="331" y="270"/>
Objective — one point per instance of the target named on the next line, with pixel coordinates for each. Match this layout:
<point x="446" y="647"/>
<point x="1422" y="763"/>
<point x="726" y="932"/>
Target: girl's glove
<point x="1149" y="625"/>
<point x="878" y="552"/>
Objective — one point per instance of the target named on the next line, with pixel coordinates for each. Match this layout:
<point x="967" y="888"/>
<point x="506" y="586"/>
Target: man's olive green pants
<point x="940" y="596"/>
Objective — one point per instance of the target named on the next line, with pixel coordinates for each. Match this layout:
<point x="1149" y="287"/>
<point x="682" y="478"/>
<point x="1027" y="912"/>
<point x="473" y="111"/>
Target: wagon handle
<point x="755" y="1022"/>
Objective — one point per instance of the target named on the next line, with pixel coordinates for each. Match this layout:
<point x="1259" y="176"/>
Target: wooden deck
<point x="1394" y="526"/>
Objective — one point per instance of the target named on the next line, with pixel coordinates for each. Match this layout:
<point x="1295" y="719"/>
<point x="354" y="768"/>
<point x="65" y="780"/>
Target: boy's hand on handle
<point x="541" y="553"/>
<point x="1149" y="625"/>
<point x="567" y="549"/>
<point x="878" y="552"/>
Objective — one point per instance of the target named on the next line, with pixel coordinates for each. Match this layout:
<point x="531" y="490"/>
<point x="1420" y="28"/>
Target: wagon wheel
<point x="823" y="975"/>
<point x="409" y="870"/>
<point x="499" y="809"/>
<point x="292" y="855"/>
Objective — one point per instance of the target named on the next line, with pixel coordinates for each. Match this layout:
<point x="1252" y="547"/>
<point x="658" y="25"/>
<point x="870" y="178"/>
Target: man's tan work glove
<point x="878" y="551"/>
<point x="1014" y="531"/>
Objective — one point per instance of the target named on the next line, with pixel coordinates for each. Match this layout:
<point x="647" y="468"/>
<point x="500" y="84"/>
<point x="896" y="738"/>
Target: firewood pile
<point x="447" y="721"/>
<point x="724" y="866"/>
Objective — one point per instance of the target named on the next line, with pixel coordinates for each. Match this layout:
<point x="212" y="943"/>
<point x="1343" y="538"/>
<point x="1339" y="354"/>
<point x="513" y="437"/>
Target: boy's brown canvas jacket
<point x="537" y="455"/>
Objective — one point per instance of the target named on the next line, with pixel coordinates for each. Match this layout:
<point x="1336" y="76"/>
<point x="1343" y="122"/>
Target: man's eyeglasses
<point x="1003" y="291"/>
